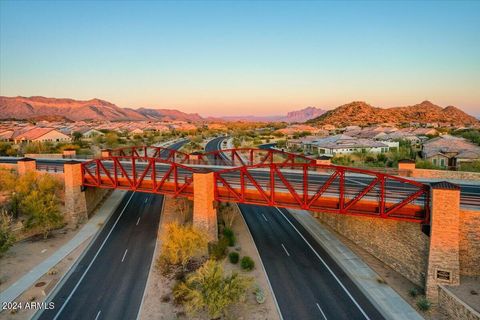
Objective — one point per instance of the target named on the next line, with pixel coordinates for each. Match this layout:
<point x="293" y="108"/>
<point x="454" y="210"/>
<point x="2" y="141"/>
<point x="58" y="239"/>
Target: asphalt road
<point x="109" y="281"/>
<point x="306" y="282"/>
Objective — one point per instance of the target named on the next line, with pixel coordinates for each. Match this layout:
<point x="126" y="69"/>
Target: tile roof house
<point x="41" y="135"/>
<point x="344" y="144"/>
<point x="449" y="152"/>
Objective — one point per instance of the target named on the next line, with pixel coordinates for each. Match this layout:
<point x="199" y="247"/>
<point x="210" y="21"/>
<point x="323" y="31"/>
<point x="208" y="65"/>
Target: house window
<point x="442" y="162"/>
<point x="434" y="162"/>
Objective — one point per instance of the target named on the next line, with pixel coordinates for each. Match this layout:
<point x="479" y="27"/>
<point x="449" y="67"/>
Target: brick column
<point x="75" y="200"/>
<point x="324" y="160"/>
<point x="204" y="211"/>
<point x="443" y="258"/>
<point x="406" y="168"/>
<point x="25" y="165"/>
<point x="105" y="153"/>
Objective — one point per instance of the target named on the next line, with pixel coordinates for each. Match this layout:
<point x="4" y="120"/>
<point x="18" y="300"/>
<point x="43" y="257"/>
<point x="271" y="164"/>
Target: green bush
<point x="423" y="304"/>
<point x="233" y="257"/>
<point x="219" y="250"/>
<point x="247" y="263"/>
<point x="228" y="233"/>
<point x="413" y="292"/>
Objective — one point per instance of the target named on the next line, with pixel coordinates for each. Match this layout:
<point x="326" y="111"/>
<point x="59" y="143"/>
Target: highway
<point x="306" y="282"/>
<point x="109" y="280"/>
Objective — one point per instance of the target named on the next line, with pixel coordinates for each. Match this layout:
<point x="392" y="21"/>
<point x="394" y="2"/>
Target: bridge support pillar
<point x="406" y="168"/>
<point x="443" y="258"/>
<point x="75" y="200"/>
<point x="204" y="211"/>
<point x="26" y="165"/>
<point x="105" y="153"/>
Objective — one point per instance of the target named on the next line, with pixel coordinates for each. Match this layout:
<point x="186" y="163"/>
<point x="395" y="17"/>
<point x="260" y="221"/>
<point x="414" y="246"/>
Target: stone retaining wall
<point x="470" y="243"/>
<point x="454" y="308"/>
<point x="401" y="245"/>
<point x="444" y="174"/>
<point x="93" y="197"/>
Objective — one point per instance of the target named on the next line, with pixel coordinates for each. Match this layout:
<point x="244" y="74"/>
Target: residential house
<point x="449" y="152"/>
<point x="344" y="144"/>
<point x="41" y="135"/>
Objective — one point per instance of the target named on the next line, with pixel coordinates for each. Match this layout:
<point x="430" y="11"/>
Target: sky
<point x="243" y="58"/>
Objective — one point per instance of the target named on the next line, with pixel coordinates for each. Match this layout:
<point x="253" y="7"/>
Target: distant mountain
<point x="292" y="116"/>
<point x="304" y="114"/>
<point x="361" y="113"/>
<point x="168" y="114"/>
<point x="51" y="108"/>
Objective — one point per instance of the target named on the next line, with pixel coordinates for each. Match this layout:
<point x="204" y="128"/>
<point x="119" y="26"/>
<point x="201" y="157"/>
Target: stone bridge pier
<point x="204" y="205"/>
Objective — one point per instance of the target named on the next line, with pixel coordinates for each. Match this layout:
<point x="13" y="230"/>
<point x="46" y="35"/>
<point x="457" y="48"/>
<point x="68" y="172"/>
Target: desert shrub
<point x="181" y="244"/>
<point x="210" y="289"/>
<point x="247" y="263"/>
<point x="230" y="235"/>
<point x="6" y="237"/>
<point x="423" y="304"/>
<point x="413" y="292"/>
<point x="233" y="257"/>
<point x="218" y="250"/>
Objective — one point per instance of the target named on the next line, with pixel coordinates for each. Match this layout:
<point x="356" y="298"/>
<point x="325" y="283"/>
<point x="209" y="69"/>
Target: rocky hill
<point x="95" y="109"/>
<point x="361" y="113"/>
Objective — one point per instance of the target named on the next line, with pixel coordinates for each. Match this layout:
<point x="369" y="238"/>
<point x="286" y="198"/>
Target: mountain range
<point x="292" y="116"/>
<point x="95" y="109"/>
<point x="354" y="113"/>
<point x="361" y="113"/>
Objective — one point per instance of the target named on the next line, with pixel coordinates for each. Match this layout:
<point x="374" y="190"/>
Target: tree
<point x="181" y="244"/>
<point x="211" y="290"/>
<point x="77" y="136"/>
<point x="43" y="212"/>
<point x="6" y="237"/>
<point x="111" y="139"/>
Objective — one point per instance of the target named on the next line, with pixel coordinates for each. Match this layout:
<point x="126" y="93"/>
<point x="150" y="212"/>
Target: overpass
<point x="292" y="182"/>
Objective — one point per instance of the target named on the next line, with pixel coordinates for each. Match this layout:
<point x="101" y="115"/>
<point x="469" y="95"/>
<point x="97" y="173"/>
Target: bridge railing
<point x="325" y="188"/>
<point x="139" y="174"/>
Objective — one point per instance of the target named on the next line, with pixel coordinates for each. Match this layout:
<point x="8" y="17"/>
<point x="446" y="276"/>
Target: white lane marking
<point x="288" y="254"/>
<point x="93" y="260"/>
<point x="264" y="217"/>
<point x="321" y="311"/>
<point x="146" y="199"/>
<point x="326" y="266"/>
<point x="123" y="258"/>
<point x="98" y="314"/>
<point x="138" y="221"/>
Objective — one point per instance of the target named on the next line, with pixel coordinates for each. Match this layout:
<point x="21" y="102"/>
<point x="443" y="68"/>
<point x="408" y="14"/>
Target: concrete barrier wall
<point x="453" y="307"/>
<point x="470" y="243"/>
<point x="444" y="174"/>
<point x="401" y="245"/>
<point x="44" y="155"/>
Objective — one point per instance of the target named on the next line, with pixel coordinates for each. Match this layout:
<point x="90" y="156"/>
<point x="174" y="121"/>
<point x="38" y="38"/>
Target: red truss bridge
<point x="229" y="157"/>
<point x="268" y="179"/>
